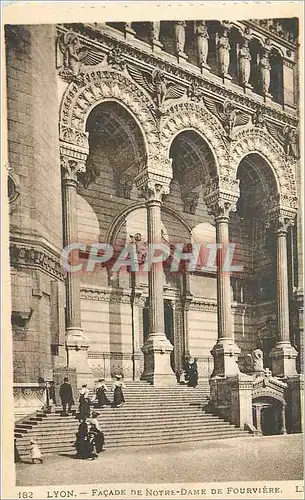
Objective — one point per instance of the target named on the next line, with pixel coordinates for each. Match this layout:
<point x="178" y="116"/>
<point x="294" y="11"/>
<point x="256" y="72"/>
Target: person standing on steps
<point x="84" y="402"/>
<point x="83" y="445"/>
<point x="100" y="392"/>
<point x="66" y="396"/>
<point x="118" y="395"/>
<point x="191" y="372"/>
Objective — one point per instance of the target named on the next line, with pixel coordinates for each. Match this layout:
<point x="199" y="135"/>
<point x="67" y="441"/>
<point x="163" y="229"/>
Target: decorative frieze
<point x="106" y="295"/>
<point x="106" y="41"/>
<point x="35" y="256"/>
<point x="114" y="355"/>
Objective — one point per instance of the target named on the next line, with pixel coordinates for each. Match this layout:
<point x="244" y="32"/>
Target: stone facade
<point x="156" y="133"/>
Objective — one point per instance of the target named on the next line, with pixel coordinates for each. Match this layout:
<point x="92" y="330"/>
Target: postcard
<point x="152" y="256"/>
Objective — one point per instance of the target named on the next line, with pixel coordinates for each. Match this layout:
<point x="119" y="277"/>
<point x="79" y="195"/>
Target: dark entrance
<point x="169" y="328"/>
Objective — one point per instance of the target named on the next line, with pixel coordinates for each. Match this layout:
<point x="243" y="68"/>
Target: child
<point x="182" y="378"/>
<point x="35" y="452"/>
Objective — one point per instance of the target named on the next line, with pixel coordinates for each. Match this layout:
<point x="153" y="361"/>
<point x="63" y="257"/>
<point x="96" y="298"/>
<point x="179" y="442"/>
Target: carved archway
<point x="257" y="140"/>
<point x="96" y="87"/>
<point x="192" y="116"/>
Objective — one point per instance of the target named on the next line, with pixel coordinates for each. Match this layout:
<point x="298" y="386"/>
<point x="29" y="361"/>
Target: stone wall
<point x="35" y="216"/>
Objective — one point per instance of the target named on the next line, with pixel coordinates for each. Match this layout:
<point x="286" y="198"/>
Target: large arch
<point x="193" y="116"/>
<point x="119" y="220"/>
<point x="99" y="86"/>
<point x="256" y="140"/>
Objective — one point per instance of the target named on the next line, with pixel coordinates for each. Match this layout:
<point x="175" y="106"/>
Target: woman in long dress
<point x="83" y="444"/>
<point x="84" y="402"/>
<point x="100" y="392"/>
<point x="118" y="395"/>
<point x="192" y="373"/>
<point x="97" y="436"/>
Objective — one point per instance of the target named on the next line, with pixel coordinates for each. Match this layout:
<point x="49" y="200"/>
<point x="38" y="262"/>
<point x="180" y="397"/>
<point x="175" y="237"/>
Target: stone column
<point x="77" y="344"/>
<point x="157" y="349"/>
<point x="283" y="355"/>
<point x="225" y="351"/>
<point x="258" y="410"/>
<point x="283" y="419"/>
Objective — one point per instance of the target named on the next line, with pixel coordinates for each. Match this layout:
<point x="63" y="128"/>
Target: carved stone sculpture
<point x="73" y="55"/>
<point x="257" y="361"/>
<point x="223" y="50"/>
<point x="264" y="68"/>
<point x="244" y="62"/>
<point x="202" y="37"/>
<point x="180" y="36"/>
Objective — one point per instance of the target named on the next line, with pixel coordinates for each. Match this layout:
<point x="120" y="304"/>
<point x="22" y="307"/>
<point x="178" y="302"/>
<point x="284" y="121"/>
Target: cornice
<point x="140" y="53"/>
<point x="25" y="254"/>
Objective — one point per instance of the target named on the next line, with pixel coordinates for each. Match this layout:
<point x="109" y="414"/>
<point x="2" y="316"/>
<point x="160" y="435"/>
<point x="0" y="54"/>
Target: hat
<point x="94" y="414"/>
<point x="32" y="441"/>
<point x="101" y="379"/>
<point x="118" y="376"/>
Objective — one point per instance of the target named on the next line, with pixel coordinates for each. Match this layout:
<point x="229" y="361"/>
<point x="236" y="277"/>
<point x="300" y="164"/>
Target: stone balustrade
<point x="28" y="398"/>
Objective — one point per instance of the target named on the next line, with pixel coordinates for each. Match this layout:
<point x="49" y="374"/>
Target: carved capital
<point x="154" y="190"/>
<point x="124" y="183"/>
<point x="190" y="200"/>
<point x="72" y="162"/>
<point x="71" y="168"/>
<point x="221" y="206"/>
<point x="280" y="220"/>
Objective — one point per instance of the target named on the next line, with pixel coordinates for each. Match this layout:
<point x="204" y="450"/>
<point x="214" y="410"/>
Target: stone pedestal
<point x="284" y="360"/>
<point x="241" y="400"/>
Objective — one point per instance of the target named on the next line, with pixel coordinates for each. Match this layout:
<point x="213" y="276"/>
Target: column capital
<point x="153" y="190"/>
<point x="153" y="182"/>
<point x="220" y="205"/>
<point x="280" y="220"/>
<point x="72" y="162"/>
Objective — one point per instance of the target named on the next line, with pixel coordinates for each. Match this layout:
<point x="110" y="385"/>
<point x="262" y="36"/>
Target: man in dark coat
<point x="66" y="396"/>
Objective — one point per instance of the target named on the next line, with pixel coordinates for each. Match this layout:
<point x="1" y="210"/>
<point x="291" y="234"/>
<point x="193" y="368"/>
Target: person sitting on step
<point x="35" y="452"/>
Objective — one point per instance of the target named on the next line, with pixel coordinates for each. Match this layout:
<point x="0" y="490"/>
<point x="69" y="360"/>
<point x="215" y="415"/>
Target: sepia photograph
<point x="153" y="181"/>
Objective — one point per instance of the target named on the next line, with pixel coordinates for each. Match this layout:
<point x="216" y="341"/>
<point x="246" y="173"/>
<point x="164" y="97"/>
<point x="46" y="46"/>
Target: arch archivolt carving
<point x="192" y="116"/>
<point x="101" y="85"/>
<point x="256" y="140"/>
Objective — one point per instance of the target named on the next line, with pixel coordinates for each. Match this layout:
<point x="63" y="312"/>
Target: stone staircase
<point x="150" y="416"/>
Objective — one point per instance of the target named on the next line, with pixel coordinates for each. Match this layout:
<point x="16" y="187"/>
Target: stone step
<point x="146" y="442"/>
<point x="108" y="429"/>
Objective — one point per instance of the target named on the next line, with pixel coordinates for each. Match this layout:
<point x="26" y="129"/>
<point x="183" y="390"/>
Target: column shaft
<point x="70" y="237"/>
<point x="223" y="282"/>
<point x="283" y="355"/>
<point x="282" y="288"/>
<point x="155" y="275"/>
